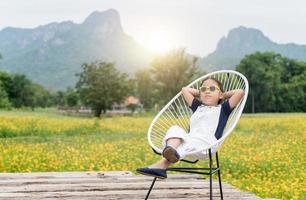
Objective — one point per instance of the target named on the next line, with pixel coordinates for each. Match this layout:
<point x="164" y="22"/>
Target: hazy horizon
<point x="159" y="25"/>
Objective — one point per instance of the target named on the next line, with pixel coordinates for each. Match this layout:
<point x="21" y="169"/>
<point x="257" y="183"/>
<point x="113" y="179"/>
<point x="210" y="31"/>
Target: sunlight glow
<point x="160" y="41"/>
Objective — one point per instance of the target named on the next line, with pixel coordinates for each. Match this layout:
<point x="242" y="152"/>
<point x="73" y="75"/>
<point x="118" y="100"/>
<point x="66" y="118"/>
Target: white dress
<point x="206" y="125"/>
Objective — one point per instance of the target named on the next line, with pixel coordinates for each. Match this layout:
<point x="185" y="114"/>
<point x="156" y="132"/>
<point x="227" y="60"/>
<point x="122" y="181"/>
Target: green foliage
<point x="42" y="98"/>
<point x="4" y="101"/>
<point x="132" y="107"/>
<point x="72" y="97"/>
<point x="145" y="88"/>
<point x="21" y="92"/>
<point x="166" y="76"/>
<point x="100" y="84"/>
<point x="18" y="91"/>
<point x="4" y="81"/>
<point x="277" y="84"/>
<point x="59" y="98"/>
<point x="172" y="71"/>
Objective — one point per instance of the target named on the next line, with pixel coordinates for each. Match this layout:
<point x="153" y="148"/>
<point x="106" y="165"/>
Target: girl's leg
<point x="161" y="164"/>
<point x="174" y="142"/>
<point x="164" y="163"/>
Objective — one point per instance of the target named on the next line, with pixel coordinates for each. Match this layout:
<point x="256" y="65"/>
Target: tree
<point x="21" y="93"/>
<point x="5" y="82"/>
<point x="72" y="97"/>
<point x="172" y="71"/>
<point x="145" y="88"/>
<point x="277" y="84"/>
<point x="293" y="90"/>
<point x="59" y="98"/>
<point x="42" y="98"/>
<point x="24" y="93"/>
<point x="263" y="71"/>
<point x="100" y="84"/>
<point x="4" y="101"/>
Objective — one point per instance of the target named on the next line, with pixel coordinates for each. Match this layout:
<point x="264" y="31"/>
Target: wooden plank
<point x="143" y="180"/>
<point x="103" y="187"/>
<point x="138" y="178"/>
<point x="110" y="185"/>
<point x="65" y="174"/>
<point x="129" y="194"/>
<point x="82" y="174"/>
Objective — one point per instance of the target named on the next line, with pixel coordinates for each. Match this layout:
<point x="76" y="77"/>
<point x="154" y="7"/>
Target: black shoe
<point x="158" y="173"/>
<point x="171" y="154"/>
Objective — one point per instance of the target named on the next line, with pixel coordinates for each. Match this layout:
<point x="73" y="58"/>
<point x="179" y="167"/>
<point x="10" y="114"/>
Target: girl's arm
<point x="189" y="94"/>
<point x="234" y="97"/>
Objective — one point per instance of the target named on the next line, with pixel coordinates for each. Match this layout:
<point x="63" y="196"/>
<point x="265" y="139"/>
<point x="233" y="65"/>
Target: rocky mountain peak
<point x="51" y="54"/>
<point x="243" y="38"/>
<point x="104" y="22"/>
<point x="241" y="41"/>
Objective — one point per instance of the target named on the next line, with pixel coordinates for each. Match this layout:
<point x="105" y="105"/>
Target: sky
<point x="160" y="25"/>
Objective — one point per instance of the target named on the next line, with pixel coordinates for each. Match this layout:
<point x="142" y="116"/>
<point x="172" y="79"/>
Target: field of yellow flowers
<point x="265" y="154"/>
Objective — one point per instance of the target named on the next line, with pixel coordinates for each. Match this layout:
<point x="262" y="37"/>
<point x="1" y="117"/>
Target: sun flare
<point x="160" y="41"/>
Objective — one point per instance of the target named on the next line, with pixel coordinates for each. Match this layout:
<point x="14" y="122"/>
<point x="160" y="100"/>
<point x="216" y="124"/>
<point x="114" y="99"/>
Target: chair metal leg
<point x="211" y="170"/>
<point x="219" y="176"/>
<point x="210" y="175"/>
<point x="153" y="182"/>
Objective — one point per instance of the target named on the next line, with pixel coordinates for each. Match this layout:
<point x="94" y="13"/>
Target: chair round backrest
<point x="177" y="112"/>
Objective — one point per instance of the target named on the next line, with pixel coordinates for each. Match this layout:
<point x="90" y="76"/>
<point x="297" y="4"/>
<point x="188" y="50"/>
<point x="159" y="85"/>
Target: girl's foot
<point x="171" y="154"/>
<point x="155" y="172"/>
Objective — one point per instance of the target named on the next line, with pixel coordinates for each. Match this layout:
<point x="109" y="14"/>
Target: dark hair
<point x="217" y="81"/>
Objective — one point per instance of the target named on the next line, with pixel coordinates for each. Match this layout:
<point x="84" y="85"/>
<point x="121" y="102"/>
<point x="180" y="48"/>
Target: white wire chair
<point x="177" y="112"/>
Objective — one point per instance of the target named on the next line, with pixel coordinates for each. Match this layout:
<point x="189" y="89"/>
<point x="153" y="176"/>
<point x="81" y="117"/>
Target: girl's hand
<point x="189" y="94"/>
<point x="234" y="97"/>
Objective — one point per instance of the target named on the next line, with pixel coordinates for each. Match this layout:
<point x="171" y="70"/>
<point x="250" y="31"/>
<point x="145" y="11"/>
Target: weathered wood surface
<point x="110" y="185"/>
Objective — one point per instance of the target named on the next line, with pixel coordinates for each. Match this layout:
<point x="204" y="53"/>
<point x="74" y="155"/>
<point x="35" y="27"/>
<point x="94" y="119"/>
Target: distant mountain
<point x="51" y="54"/>
<point x="242" y="41"/>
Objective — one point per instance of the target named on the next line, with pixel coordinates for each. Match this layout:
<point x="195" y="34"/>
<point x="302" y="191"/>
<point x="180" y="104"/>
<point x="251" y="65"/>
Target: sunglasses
<point x="211" y="88"/>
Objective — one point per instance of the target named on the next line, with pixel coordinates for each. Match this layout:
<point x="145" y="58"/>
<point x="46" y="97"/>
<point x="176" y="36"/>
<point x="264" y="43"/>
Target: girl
<point x="206" y="125"/>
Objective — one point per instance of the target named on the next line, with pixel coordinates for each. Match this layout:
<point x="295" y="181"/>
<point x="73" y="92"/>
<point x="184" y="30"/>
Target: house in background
<point x="130" y="105"/>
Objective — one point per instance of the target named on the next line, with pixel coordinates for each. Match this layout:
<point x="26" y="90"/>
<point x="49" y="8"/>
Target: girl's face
<point x="209" y="97"/>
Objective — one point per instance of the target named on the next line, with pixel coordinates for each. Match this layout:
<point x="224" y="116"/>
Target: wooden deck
<point x="110" y="185"/>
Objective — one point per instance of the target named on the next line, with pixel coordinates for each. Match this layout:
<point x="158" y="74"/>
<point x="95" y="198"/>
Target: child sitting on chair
<point x="206" y="125"/>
